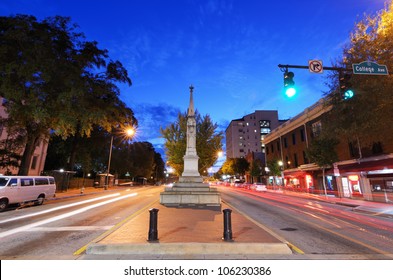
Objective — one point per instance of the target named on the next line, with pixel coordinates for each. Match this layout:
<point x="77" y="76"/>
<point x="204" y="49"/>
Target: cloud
<point x="151" y="118"/>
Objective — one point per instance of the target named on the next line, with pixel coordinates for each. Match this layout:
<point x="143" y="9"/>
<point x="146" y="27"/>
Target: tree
<point x="235" y="166"/>
<point x="241" y="165"/>
<point x="50" y="78"/>
<point x="255" y="169"/>
<point x="358" y="119"/>
<point x="228" y="167"/>
<point x="274" y="169"/>
<point x="322" y="152"/>
<point x="208" y="142"/>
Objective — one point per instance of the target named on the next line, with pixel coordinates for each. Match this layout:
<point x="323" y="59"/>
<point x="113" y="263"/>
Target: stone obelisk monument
<point x="190" y="190"/>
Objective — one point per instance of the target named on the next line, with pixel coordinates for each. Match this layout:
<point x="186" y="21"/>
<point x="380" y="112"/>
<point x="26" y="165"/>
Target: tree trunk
<point x="74" y="148"/>
<point x="28" y="153"/>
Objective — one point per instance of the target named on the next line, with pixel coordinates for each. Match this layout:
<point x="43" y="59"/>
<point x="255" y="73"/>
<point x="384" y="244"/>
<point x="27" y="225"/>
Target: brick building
<point x="363" y="174"/>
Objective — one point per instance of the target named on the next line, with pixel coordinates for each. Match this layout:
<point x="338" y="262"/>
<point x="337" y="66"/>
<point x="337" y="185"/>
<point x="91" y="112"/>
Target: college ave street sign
<point x="369" y="68"/>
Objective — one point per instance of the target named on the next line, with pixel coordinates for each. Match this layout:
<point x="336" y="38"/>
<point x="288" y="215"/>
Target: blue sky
<point x="229" y="50"/>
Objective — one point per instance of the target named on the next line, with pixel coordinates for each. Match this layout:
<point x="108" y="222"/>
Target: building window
<point x="295" y="159"/>
<point x="302" y="136"/>
<point x="316" y="128"/>
<point x="265" y="126"/>
<point x="293" y="138"/>
<point x="264" y="123"/>
<point x="377" y="148"/>
<point x="34" y="162"/>
<point x="305" y="159"/>
<point x="285" y="142"/>
<point x="265" y="130"/>
<point x="288" y="162"/>
<point x="278" y="146"/>
<point x="353" y="150"/>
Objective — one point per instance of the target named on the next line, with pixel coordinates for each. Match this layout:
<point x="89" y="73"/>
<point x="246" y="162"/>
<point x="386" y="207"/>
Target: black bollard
<point x="227" y="225"/>
<point x="153" y="231"/>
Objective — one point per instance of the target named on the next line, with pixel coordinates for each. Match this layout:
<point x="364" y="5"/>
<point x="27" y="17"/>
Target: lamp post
<point x="281" y="164"/>
<point x="129" y="132"/>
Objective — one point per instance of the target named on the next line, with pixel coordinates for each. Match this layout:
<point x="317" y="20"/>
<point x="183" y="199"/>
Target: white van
<point x="22" y="189"/>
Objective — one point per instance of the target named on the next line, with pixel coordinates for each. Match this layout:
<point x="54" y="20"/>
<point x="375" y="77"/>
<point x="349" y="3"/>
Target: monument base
<point x="190" y="192"/>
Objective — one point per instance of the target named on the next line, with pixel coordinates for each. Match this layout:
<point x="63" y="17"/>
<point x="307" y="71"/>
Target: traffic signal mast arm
<point x="285" y="67"/>
<point x="344" y="80"/>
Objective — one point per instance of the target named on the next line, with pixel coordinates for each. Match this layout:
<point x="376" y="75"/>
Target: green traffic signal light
<point x="346" y="86"/>
<point x="348" y="94"/>
<point x="289" y="84"/>
<point x="290" y="92"/>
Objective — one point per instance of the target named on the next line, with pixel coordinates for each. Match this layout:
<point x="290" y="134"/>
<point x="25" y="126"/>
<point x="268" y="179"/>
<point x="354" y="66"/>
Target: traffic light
<point x="346" y="90"/>
<point x="289" y="84"/>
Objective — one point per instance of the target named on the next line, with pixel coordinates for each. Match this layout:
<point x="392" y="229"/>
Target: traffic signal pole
<point x="286" y="66"/>
<point x="344" y="77"/>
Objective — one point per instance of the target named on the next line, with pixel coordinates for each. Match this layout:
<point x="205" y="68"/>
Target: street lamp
<point x="129" y="132"/>
<point x="281" y="164"/>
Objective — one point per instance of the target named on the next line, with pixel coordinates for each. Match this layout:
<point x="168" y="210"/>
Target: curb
<point x="184" y="249"/>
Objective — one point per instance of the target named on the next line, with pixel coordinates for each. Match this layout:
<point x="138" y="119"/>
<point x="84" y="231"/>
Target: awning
<point x="372" y="165"/>
<point x="294" y="173"/>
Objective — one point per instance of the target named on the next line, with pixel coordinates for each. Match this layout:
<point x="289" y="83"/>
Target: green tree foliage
<point x="235" y="166"/>
<point x="358" y="119"/>
<point x="208" y="142"/>
<point x="255" y="169"/>
<point x="227" y="167"/>
<point x="321" y="151"/>
<point x="274" y="167"/>
<point x="55" y="80"/>
<point x="138" y="159"/>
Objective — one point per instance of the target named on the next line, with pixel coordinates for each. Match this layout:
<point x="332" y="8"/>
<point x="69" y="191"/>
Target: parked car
<point x="237" y="183"/>
<point x="259" y="187"/>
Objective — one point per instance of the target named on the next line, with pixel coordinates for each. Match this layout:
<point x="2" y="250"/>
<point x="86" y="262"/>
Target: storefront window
<point x="382" y="185"/>
<point x="351" y="186"/>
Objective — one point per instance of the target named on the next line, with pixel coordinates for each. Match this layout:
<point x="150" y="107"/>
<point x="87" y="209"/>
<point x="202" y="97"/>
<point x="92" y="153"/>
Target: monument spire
<point x="191" y="111"/>
<point x="190" y="190"/>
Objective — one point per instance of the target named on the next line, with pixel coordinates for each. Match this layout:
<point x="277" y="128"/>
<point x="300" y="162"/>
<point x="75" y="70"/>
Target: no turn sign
<point x="315" y="66"/>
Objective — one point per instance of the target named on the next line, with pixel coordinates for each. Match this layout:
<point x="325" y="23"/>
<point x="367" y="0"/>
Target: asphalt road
<point x="316" y="229"/>
<point x="60" y="229"/>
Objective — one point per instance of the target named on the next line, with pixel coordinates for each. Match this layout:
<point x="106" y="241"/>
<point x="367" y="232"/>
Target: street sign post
<point x="369" y="68"/>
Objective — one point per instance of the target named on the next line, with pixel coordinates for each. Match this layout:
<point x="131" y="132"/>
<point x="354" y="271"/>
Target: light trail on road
<point x="63" y="216"/>
<point x="352" y="216"/>
<point x="58" y="208"/>
<point x="336" y="220"/>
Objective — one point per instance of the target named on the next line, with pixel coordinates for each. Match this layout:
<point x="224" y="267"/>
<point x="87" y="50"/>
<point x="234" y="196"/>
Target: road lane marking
<point x="58" y="208"/>
<point x="63" y="216"/>
<point x="74" y="228"/>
